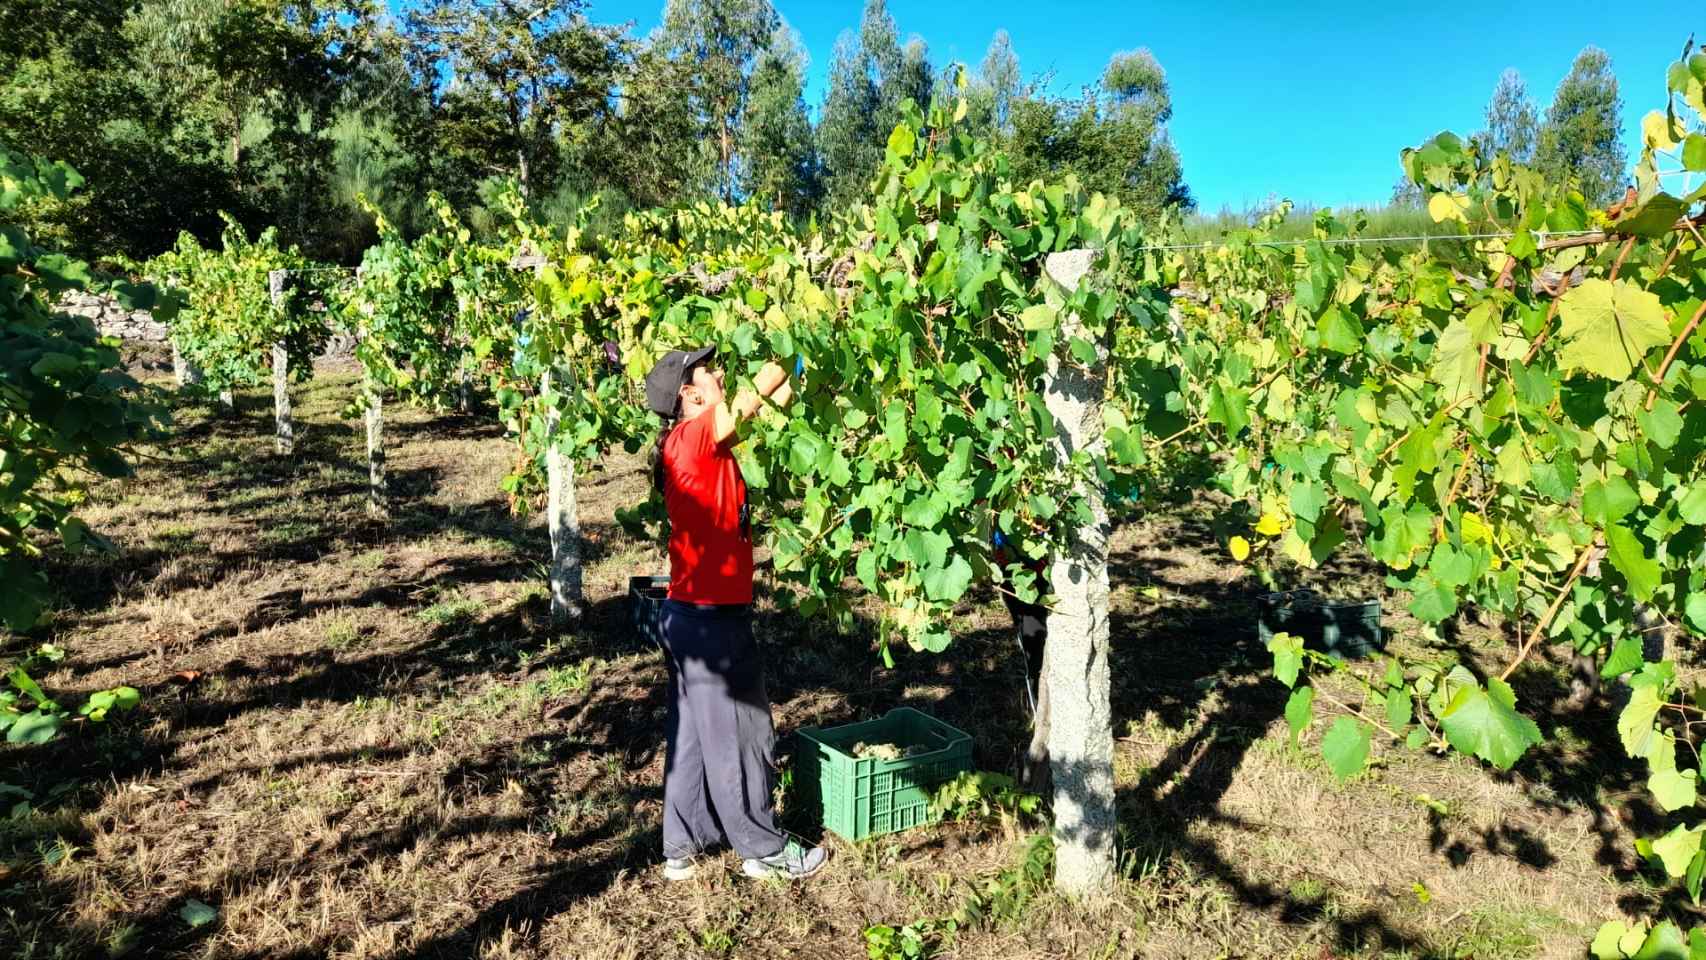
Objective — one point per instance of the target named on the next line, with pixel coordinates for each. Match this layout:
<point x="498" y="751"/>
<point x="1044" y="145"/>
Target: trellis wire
<point x="1540" y="237"/>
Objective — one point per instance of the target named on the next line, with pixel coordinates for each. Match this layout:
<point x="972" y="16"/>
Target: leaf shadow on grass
<point x="613" y="724"/>
<point x="1165" y="658"/>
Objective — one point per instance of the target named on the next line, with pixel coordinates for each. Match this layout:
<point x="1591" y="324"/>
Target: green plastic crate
<point x="867" y="797"/>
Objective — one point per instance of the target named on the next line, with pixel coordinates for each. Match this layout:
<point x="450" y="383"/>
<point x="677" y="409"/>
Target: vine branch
<point x="1539" y="631"/>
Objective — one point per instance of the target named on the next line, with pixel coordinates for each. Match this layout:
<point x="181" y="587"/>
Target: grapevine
<point x="66" y="411"/>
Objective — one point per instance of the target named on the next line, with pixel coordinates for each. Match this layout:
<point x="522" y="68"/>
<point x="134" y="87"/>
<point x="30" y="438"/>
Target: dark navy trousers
<point x="719" y="768"/>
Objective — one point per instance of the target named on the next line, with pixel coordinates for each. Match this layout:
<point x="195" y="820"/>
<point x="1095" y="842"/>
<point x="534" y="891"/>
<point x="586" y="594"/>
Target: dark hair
<point x="657" y="453"/>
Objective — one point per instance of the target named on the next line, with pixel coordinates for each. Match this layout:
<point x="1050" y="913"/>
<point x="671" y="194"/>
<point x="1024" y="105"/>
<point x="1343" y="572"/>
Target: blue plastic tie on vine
<point x="799" y="365"/>
<point x="996" y="538"/>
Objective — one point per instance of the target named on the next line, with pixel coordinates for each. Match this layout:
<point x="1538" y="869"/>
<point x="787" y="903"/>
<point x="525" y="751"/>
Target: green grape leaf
<point x="1484" y="722"/>
<point x="1635" y="723"/>
<point x="1299" y="711"/>
<point x="1456" y="362"/>
<point x="1432" y="600"/>
<point x="1606" y="940"/>
<point x="1625" y="657"/>
<point x="1229" y="407"/>
<point x="1665" y="942"/>
<point x="1695" y="610"/>
<point x="1694" y="152"/>
<point x="1676" y="848"/>
<point x="34" y="727"/>
<point x="1513" y="466"/>
<point x="1038" y="316"/>
<point x="1345" y="747"/>
<point x="901" y="142"/>
<point x="1398" y="709"/>
<point x="1308" y="499"/>
<point x="1340" y="331"/>
<point x="1606" y="327"/>
<point x="1662" y="424"/>
<point x="1692" y="506"/>
<point x="1673" y="789"/>
<point x="1288" y="657"/>
<point x="1653" y="219"/>
<point x="866" y="568"/>
<point x="947" y="583"/>
<point x="803" y="452"/>
<point x="924" y="511"/>
<point x="54" y="365"/>
<point x="1628" y="555"/>
<point x="1608" y="501"/>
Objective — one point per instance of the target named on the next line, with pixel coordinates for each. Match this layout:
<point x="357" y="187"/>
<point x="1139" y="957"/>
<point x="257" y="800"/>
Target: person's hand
<point x="783" y="394"/>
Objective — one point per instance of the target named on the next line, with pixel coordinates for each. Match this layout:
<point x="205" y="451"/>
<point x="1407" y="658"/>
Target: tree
<point x="1407" y="193"/>
<point x="869" y="78"/>
<point x="1511" y="124"/>
<point x="911" y="80"/>
<point x="651" y="148"/>
<point x="1113" y="138"/>
<point x="845" y="131"/>
<point x="178" y="109"/>
<point x="720" y="40"/>
<point x="1580" y="136"/>
<point x="381" y="112"/>
<point x="999" y="76"/>
<point x="508" y="79"/>
<point x="778" y="159"/>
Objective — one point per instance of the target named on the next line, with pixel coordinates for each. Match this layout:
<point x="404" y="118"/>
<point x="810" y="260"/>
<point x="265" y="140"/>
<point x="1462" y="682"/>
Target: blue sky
<point x="1309" y="101"/>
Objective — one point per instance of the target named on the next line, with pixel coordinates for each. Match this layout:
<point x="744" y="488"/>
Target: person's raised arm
<point x="769" y="382"/>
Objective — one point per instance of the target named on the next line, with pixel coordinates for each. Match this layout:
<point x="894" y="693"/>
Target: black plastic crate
<point x="1349" y="630"/>
<point x="645" y="606"/>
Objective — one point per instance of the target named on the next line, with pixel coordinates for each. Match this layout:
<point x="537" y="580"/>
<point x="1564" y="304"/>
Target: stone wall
<point x="112" y="318"/>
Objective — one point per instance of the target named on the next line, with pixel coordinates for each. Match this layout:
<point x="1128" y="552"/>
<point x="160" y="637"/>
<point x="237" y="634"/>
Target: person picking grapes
<point x="719" y="768"/>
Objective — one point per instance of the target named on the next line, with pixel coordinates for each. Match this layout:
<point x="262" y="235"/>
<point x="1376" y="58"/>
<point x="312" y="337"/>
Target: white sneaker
<point x="680" y="868"/>
<point x="793" y="862"/>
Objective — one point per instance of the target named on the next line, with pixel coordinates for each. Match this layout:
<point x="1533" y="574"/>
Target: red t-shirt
<point x="710" y="555"/>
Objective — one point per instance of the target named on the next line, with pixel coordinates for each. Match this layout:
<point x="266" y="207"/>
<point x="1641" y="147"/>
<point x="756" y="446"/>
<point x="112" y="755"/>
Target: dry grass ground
<point x="388" y="752"/>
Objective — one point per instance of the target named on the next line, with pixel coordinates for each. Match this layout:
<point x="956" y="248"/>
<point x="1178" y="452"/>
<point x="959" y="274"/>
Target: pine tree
<point x="1580" y="136"/>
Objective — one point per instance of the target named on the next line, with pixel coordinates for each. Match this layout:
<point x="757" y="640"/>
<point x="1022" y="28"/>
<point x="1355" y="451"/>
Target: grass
<point x="450" y="611"/>
<point x="1389" y="220"/>
<point x="389" y="752"/>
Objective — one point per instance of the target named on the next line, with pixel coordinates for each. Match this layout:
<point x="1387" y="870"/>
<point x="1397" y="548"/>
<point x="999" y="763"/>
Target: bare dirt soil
<point x="361" y="738"/>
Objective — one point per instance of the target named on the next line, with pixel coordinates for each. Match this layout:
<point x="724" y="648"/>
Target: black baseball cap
<point x="663" y="384"/>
